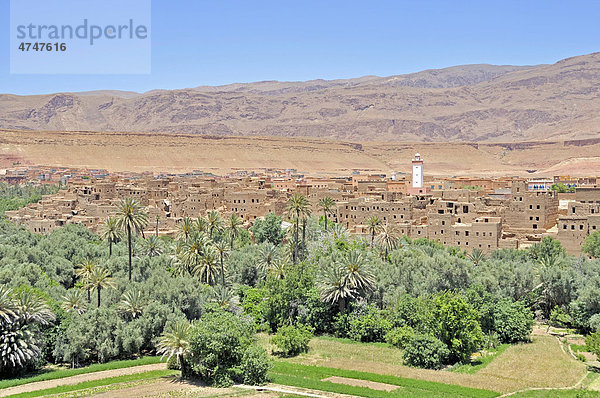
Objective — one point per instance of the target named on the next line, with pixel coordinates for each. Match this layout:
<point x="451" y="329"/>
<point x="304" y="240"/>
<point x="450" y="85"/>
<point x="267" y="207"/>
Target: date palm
<point x="153" y="246"/>
<point x="83" y="272"/>
<point x="201" y="224"/>
<point x="357" y="273"/>
<point x="192" y="251"/>
<point x="225" y="298"/>
<point x="327" y="205"/>
<point x="222" y="249"/>
<point x="297" y="207"/>
<point x="387" y="238"/>
<point x="268" y="254"/>
<point x="100" y="279"/>
<point x="157" y="220"/>
<point x="208" y="268"/>
<point x="132" y="303"/>
<point x="374" y="226"/>
<point x="233" y="224"/>
<point x="334" y="287"/>
<point x="73" y="301"/>
<point x="215" y="222"/>
<point x="185" y="228"/>
<point x="7" y="306"/>
<point x="477" y="256"/>
<point x="175" y="341"/>
<point x="19" y="313"/>
<point x="111" y="232"/>
<point x="131" y="218"/>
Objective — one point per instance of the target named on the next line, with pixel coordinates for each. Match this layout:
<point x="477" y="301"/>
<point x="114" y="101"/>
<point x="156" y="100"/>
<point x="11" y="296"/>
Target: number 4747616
<point x="42" y="46"/>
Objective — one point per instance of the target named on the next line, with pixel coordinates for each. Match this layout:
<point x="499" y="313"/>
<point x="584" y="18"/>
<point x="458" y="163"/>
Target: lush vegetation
<point x="13" y="197"/>
<point x="77" y="298"/>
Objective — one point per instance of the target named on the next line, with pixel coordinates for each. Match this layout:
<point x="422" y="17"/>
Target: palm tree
<point x="175" y="341"/>
<point x="157" y="219"/>
<point x="208" y="269"/>
<point x="374" y="225"/>
<point x="153" y="246"/>
<point x="201" y="224"/>
<point x="100" y="279"/>
<point x="73" y="301"/>
<point x="278" y="267"/>
<point x="214" y="222"/>
<point x="225" y="298"/>
<point x="234" y="223"/>
<point x="298" y="206"/>
<point x="333" y="286"/>
<point x="326" y="204"/>
<point x="192" y="251"/>
<point x="132" y="303"/>
<point x="268" y="255"/>
<point x="111" y="232"/>
<point x="18" y="342"/>
<point x="83" y="272"/>
<point x="186" y="227"/>
<point x="131" y="218"/>
<point x="387" y="238"/>
<point x="223" y="249"/>
<point x="7" y="306"/>
<point x="477" y="256"/>
<point x="357" y="274"/>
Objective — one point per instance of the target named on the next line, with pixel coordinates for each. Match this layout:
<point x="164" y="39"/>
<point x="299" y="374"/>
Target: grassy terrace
<point x="315" y="377"/>
<point x="541" y="364"/>
<point x="88" y="385"/>
<point x="52" y="374"/>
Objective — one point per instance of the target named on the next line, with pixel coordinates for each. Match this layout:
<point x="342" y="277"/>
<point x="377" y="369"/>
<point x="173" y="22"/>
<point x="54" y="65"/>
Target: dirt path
<point x="42" y="385"/>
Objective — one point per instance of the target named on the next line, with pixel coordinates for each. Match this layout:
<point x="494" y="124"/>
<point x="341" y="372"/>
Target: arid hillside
<point x="171" y="152"/>
<point x="473" y="103"/>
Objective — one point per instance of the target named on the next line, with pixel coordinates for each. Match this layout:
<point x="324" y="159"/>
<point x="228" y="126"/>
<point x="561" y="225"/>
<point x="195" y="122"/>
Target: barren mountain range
<point x="472" y="103"/>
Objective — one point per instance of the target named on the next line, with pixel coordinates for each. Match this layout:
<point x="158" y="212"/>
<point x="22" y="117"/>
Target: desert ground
<point x="168" y="152"/>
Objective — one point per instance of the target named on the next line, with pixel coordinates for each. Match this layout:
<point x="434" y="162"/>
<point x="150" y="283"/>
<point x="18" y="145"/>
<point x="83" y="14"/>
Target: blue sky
<point x="222" y="41"/>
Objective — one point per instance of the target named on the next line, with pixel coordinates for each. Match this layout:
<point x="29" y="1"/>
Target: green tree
<point x="387" y="238"/>
<point x="175" y="341"/>
<point x="132" y="303"/>
<point x="268" y="230"/>
<point x="234" y="224"/>
<point x="185" y="228"/>
<point x="84" y="271"/>
<point x="298" y="207"/>
<point x="215" y="222"/>
<point x="374" y="226"/>
<point x="100" y="279"/>
<point x="73" y="301"/>
<point x="327" y="205"/>
<point x="223" y="250"/>
<point x="457" y="326"/>
<point x="131" y="218"/>
<point x="111" y="232"/>
<point x="591" y="245"/>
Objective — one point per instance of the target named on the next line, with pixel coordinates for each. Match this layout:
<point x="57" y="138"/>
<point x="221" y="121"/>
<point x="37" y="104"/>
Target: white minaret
<point x="417" y="177"/>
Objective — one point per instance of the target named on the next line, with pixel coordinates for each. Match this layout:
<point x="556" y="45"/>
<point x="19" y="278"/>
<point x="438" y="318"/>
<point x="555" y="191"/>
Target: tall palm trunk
<point x="303" y="237"/>
<point x="372" y="237"/>
<point x="222" y="272"/>
<point x="129" y="244"/>
<point x="231" y="241"/>
<point x="296" y="242"/>
<point x="325" y="217"/>
<point x="110" y="248"/>
<point x="89" y="295"/>
<point x="157" y="228"/>
<point x="99" y="288"/>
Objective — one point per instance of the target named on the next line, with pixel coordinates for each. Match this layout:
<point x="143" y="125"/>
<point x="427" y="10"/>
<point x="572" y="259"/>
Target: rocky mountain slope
<point x="480" y="103"/>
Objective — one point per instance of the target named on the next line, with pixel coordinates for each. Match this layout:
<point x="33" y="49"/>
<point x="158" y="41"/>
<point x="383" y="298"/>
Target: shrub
<point x="255" y="366"/>
<point x="594" y="322"/>
<point x="292" y="340"/>
<point x="368" y="325"/>
<point x="399" y="336"/>
<point x="172" y="363"/>
<point x="457" y="326"/>
<point x="218" y="343"/>
<point x="559" y="318"/>
<point x="425" y="351"/>
<point x="593" y="343"/>
<point x="513" y="322"/>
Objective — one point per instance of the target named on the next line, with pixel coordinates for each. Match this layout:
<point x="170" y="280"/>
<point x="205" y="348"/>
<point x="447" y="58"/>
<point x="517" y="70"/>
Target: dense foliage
<point x="292" y="340"/>
<point x="13" y="197"/>
<point x="198" y="297"/>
